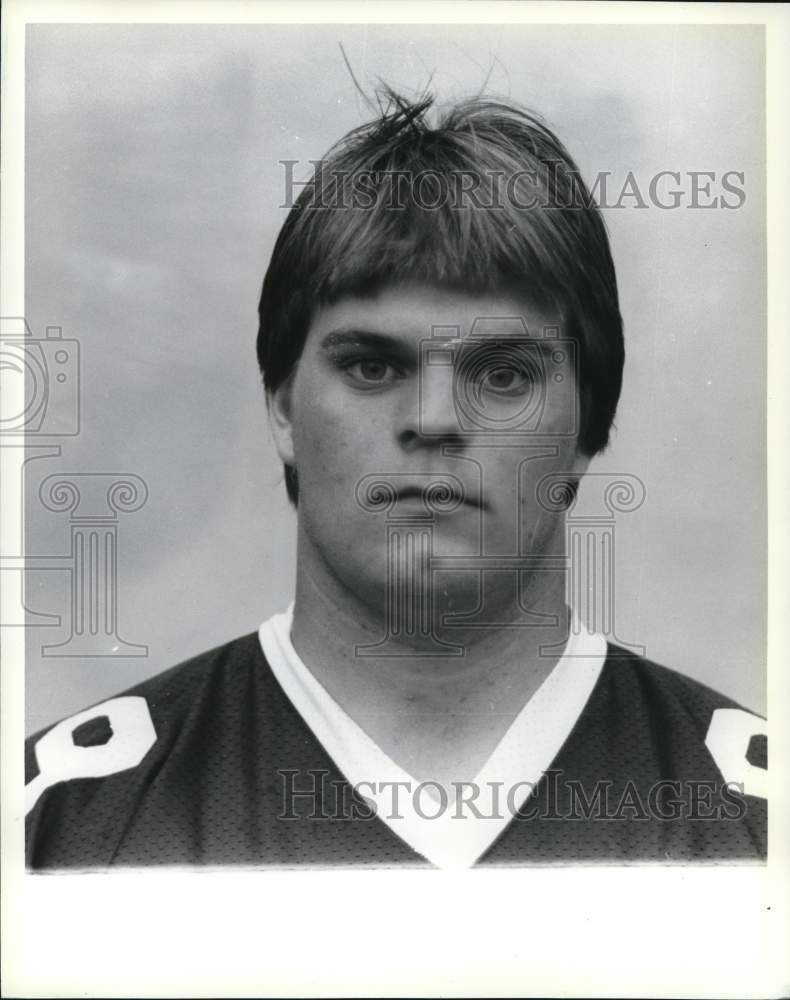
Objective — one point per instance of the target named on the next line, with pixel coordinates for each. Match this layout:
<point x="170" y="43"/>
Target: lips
<point x="440" y="495"/>
<point x="437" y="493"/>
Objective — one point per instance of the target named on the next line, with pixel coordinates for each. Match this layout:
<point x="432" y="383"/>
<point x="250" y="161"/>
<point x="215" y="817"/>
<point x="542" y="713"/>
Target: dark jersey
<point x="210" y="764"/>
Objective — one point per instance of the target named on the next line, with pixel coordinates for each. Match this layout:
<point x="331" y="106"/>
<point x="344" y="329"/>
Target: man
<point x="442" y="350"/>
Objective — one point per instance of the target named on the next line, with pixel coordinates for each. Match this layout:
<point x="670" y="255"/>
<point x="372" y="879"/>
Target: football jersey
<point x="211" y="764"/>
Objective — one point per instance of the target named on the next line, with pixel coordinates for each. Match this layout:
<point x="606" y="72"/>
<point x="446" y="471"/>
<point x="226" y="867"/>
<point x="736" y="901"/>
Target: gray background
<point x="152" y="191"/>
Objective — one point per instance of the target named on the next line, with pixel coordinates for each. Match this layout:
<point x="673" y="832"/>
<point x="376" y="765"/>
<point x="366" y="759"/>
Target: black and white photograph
<point x="385" y="455"/>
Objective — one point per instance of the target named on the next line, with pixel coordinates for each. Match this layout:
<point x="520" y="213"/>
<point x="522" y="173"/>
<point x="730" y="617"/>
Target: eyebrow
<point x="506" y="343"/>
<point x="353" y="337"/>
<point x="405" y="350"/>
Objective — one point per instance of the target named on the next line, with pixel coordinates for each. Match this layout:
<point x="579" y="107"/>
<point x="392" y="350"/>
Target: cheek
<point x="321" y="447"/>
<point x="334" y="444"/>
<point x="534" y="484"/>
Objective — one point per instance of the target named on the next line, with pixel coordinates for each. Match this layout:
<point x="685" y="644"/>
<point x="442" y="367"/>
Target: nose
<point x="431" y="416"/>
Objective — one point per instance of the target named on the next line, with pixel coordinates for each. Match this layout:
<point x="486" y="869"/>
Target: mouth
<point x="435" y="493"/>
<point x="440" y="496"/>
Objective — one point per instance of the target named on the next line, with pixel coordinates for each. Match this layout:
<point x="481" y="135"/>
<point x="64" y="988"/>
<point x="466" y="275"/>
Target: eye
<point x="504" y="379"/>
<point x="501" y="378"/>
<point x="372" y="371"/>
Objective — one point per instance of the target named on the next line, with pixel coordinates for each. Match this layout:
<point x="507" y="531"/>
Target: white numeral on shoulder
<point x="728" y="738"/>
<point x="60" y="759"/>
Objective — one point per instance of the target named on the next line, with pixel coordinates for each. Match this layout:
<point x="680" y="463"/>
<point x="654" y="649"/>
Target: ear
<point x="580" y="463"/>
<point x="279" y="403"/>
<point x="578" y="467"/>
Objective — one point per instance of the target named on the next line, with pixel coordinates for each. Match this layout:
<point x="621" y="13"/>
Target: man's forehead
<point x="426" y="311"/>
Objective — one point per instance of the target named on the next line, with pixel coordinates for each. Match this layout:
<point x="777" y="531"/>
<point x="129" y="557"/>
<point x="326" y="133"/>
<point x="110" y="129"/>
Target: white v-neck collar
<point x="457" y="836"/>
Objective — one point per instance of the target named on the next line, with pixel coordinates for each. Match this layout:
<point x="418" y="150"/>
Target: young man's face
<point x="415" y="386"/>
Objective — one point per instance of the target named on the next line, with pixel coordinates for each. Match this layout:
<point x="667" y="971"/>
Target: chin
<point x="455" y="593"/>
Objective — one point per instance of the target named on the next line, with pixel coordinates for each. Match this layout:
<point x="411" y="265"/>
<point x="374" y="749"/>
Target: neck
<point x="411" y="690"/>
